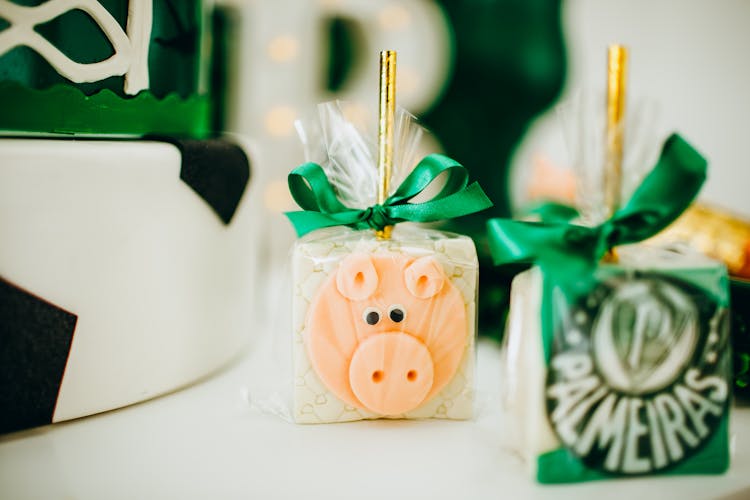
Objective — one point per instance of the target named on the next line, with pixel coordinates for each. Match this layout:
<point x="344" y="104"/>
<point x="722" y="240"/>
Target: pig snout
<point x="391" y="373"/>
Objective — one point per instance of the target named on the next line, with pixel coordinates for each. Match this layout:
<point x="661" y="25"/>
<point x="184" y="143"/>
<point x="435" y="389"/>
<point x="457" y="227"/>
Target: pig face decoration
<point x="386" y="332"/>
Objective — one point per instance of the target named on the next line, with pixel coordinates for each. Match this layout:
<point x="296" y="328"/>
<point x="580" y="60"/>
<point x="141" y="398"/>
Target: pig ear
<point x="424" y="277"/>
<point x="356" y="278"/>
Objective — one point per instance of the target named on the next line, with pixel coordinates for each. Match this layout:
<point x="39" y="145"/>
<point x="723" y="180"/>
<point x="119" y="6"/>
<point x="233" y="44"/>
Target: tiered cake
<point x="125" y="262"/>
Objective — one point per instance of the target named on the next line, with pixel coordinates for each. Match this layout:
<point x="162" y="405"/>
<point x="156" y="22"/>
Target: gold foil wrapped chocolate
<point x="717" y="233"/>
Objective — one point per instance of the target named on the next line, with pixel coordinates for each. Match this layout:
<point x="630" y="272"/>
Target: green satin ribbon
<point x="551" y="211"/>
<point x="314" y="193"/>
<point x="569" y="253"/>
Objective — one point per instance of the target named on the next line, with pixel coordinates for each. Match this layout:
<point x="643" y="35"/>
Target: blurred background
<point x="486" y="77"/>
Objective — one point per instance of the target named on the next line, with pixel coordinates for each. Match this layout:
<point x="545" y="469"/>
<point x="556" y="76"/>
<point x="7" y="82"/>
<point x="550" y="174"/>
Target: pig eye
<point x="371" y="316"/>
<point x="397" y="313"/>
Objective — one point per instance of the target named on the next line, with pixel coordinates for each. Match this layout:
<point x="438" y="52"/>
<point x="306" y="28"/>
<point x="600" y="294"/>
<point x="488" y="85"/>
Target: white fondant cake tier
<point x="108" y="231"/>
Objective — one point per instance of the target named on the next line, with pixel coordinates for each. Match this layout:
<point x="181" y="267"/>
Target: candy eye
<point x="397" y="313"/>
<point x="371" y="316"/>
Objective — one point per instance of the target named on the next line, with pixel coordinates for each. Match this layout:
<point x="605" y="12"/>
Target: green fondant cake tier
<point x="112" y="67"/>
<point x="65" y="110"/>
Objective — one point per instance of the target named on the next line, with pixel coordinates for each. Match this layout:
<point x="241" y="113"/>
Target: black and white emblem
<point x="638" y="375"/>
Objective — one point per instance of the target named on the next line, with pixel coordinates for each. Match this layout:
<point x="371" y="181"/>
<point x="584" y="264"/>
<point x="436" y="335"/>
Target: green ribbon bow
<point x="314" y="193"/>
<point x="569" y="253"/>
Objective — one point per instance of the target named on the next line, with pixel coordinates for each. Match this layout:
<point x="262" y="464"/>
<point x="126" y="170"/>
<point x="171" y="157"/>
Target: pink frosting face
<point x="386" y="332"/>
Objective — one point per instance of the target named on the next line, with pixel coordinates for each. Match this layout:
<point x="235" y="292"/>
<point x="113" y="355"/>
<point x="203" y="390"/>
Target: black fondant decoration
<point x="217" y="170"/>
<point x="35" y="339"/>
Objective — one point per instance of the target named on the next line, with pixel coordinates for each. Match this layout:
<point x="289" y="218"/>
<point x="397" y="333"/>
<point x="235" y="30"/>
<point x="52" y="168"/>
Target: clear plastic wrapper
<point x="583" y="122"/>
<point x="380" y="326"/>
<point x="383" y="327"/>
<point x="337" y="139"/>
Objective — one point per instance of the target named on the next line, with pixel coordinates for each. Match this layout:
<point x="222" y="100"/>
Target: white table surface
<point x="205" y="442"/>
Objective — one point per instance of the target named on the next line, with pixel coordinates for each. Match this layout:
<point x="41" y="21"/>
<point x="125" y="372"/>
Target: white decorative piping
<point x="130" y="56"/>
<point x="140" y="17"/>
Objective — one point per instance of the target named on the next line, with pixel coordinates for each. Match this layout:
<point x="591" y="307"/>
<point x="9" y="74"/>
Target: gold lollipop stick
<point x="386" y="114"/>
<point x="617" y="60"/>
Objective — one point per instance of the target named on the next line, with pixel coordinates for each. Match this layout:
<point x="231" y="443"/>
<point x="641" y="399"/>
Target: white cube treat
<point x="383" y="328"/>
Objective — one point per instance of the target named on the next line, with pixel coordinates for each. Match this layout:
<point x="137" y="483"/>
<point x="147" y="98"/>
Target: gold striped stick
<point x="386" y="118"/>
<point x="617" y="60"/>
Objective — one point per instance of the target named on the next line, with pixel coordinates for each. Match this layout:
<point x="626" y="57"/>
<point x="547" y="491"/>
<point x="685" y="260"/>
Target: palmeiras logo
<point x="638" y="375"/>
